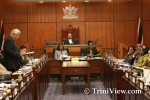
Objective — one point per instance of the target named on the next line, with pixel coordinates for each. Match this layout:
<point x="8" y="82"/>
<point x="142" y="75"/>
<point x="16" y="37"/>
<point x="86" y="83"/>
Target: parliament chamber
<point x="111" y="26"/>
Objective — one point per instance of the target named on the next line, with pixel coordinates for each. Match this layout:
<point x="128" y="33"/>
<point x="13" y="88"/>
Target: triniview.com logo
<point x="111" y="91"/>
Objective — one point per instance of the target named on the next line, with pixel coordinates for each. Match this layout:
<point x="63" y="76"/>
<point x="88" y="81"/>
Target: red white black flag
<point x="2" y="35"/>
<point x="139" y="34"/>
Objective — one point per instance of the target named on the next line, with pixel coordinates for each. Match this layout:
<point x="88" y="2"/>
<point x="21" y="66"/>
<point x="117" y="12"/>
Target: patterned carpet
<point x="74" y="90"/>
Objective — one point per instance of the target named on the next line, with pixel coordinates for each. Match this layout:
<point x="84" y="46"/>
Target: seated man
<point x="70" y="40"/>
<point x="60" y="52"/>
<point x="90" y="50"/>
<point x="3" y="70"/>
<point x="24" y="58"/>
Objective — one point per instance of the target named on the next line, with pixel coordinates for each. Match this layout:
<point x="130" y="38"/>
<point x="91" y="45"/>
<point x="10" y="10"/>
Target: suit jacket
<point x="23" y="60"/>
<point x="11" y="55"/>
<point x="128" y="58"/>
<point x="87" y="51"/>
<point x="58" y="53"/>
<point x="73" y="40"/>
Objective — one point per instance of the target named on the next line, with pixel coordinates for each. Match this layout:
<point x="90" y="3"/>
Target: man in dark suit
<point x="70" y="40"/>
<point x="11" y="53"/>
<point x="90" y="50"/>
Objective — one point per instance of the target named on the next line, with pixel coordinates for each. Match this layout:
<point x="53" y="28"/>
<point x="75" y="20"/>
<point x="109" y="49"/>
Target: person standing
<point x="11" y="59"/>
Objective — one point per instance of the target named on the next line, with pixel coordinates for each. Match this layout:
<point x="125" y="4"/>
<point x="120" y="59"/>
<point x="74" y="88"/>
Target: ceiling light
<point x="41" y="2"/>
<point x="109" y="0"/>
<point x="63" y="1"/>
<point x="86" y="1"/>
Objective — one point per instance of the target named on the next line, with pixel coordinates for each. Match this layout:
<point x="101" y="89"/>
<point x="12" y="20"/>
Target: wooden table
<point x="75" y="68"/>
<point x="55" y="66"/>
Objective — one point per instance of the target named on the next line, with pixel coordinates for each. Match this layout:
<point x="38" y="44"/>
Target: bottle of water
<point x="13" y="83"/>
<point x="4" y="91"/>
<point x="19" y="77"/>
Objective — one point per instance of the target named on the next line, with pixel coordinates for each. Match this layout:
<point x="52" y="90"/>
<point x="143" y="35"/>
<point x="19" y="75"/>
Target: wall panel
<point x="146" y="33"/>
<point x="129" y="10"/>
<point x="106" y="22"/>
<point x="12" y="12"/>
<point x="102" y="32"/>
<point x="22" y="27"/>
<point x="125" y="32"/>
<point x="38" y="12"/>
<point x="146" y="9"/>
<point x="60" y="13"/>
<point x="39" y="32"/>
<point x="99" y="11"/>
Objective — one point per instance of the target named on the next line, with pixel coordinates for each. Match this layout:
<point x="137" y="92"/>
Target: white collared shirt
<point x="70" y="41"/>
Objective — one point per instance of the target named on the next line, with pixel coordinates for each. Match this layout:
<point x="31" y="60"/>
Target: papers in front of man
<point x="28" y="53"/>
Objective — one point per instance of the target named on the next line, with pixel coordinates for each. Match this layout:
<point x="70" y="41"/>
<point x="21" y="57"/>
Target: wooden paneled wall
<point x="106" y="22"/>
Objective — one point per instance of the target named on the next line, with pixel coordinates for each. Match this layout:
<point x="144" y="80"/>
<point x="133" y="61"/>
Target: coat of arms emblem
<point x="70" y="12"/>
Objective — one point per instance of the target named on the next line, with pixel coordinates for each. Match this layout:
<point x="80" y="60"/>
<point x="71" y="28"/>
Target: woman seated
<point x="90" y="50"/>
<point x="3" y="70"/>
<point x="143" y="59"/>
<point x="60" y="52"/>
<point x="129" y="56"/>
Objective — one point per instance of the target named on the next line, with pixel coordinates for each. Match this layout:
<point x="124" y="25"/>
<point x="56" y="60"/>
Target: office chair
<point x="51" y="43"/>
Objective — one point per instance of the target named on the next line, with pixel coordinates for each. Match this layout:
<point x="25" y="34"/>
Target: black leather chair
<point x="94" y="42"/>
<point x="82" y="50"/>
<point x="51" y="43"/>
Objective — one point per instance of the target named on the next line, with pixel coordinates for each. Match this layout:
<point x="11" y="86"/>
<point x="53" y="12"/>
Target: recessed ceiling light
<point x="86" y="1"/>
<point x="63" y="1"/>
<point x="41" y="2"/>
<point x="109" y="0"/>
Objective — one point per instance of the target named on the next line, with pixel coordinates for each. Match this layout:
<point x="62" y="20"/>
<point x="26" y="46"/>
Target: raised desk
<point x="41" y="80"/>
<point x="74" y="50"/>
<point x="75" y="68"/>
<point x="27" y="92"/>
<point x="112" y="78"/>
<point x="128" y="85"/>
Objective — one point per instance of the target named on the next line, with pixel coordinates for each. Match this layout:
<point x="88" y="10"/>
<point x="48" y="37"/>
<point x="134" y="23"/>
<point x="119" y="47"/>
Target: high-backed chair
<point x="94" y="42"/>
<point x="74" y="31"/>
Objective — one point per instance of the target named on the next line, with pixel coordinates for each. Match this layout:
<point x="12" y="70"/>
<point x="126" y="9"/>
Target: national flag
<point x="139" y="34"/>
<point x="2" y="36"/>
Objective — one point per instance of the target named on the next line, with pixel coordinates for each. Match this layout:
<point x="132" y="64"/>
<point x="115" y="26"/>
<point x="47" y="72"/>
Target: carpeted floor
<point x="74" y="90"/>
